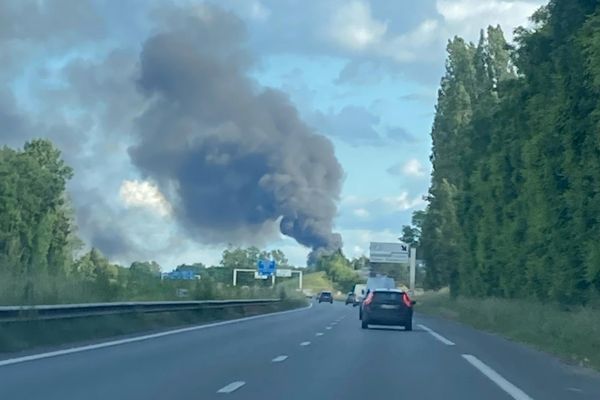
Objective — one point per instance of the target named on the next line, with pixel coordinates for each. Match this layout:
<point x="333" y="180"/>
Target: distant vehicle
<point x="351" y="299"/>
<point x="325" y="297"/>
<point x="387" y="307"/>
<point x="359" y="292"/>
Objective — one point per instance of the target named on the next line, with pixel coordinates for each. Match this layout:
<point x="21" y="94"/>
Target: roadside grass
<point x="26" y="335"/>
<point x="56" y="290"/>
<point x="571" y="333"/>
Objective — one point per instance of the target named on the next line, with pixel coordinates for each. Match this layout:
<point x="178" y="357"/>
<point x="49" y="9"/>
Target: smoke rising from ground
<point x="232" y="158"/>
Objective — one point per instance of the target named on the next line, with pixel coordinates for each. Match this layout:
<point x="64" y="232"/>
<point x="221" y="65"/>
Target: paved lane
<point x="318" y="353"/>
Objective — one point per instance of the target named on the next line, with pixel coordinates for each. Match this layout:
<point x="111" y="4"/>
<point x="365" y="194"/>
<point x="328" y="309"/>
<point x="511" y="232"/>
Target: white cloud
<point x="467" y="17"/>
<point x="352" y="26"/>
<point x="352" y="199"/>
<point x="361" y="213"/>
<point x="409" y="46"/>
<point x="413" y="167"/>
<point x="402" y="202"/>
<point x="259" y="12"/>
<point x="358" y="251"/>
<point x="144" y="194"/>
<point x="356" y="241"/>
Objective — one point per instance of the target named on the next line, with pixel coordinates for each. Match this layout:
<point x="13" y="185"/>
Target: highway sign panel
<point x="266" y="267"/>
<point x="396" y="253"/>
<point x="258" y="275"/>
<point x="284" y="273"/>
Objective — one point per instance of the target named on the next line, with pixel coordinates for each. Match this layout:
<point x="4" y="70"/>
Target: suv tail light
<point x="406" y="300"/>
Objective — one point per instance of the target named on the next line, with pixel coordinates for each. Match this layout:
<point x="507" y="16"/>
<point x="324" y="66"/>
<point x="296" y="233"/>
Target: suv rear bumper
<point x="386" y="319"/>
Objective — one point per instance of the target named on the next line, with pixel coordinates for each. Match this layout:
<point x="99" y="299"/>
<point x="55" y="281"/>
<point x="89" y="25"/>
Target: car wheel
<point x="408" y="326"/>
<point x="364" y="325"/>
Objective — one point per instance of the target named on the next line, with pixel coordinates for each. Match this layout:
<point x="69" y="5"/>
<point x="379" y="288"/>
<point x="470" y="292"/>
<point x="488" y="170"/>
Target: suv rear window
<point x="326" y="294"/>
<point x="387" y="297"/>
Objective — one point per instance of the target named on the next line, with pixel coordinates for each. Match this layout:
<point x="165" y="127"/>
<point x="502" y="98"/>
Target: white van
<point x="359" y="293"/>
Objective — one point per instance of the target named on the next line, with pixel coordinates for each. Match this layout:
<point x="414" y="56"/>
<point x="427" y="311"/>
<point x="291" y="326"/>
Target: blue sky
<point x="362" y="73"/>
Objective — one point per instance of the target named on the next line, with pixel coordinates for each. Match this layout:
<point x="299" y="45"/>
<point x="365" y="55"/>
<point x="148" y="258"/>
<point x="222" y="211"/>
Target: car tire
<point x="364" y="325"/>
<point x="408" y="326"/>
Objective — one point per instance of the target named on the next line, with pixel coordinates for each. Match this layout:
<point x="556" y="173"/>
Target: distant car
<point x="326" y="297"/>
<point x="351" y="299"/>
<point x="387" y="307"/>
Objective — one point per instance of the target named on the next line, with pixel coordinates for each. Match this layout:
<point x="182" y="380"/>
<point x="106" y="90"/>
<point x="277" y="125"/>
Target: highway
<point x="314" y="353"/>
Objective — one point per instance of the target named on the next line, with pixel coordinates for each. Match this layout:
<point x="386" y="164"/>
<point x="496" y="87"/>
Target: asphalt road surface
<point x="316" y="353"/>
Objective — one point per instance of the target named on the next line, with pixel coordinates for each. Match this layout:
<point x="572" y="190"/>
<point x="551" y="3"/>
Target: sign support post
<point x="413" y="269"/>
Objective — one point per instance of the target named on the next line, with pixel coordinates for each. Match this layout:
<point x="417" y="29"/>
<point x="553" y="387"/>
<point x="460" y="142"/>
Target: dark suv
<point x="387" y="307"/>
<point x="326" y="297"/>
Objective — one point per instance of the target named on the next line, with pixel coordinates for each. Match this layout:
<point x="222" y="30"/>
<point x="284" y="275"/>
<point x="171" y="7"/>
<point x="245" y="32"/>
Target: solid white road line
<point x="40" y="356"/>
<point x="495" y="377"/>
<point x="319" y="334"/>
<point x="304" y="343"/>
<point x="279" y="358"/>
<point x="233" y="386"/>
<point x="437" y="335"/>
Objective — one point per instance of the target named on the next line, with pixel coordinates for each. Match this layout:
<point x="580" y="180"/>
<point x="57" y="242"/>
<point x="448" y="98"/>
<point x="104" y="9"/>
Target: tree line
<point x="513" y="207"/>
<point x="41" y="258"/>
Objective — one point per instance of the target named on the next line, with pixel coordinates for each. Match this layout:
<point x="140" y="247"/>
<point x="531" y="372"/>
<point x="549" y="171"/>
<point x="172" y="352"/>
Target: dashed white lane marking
<point x="437" y="335"/>
<point x="327" y="327"/>
<point x="233" y="386"/>
<point x="319" y="334"/>
<point x="304" y="343"/>
<point x="334" y="323"/>
<point x="40" y="356"/>
<point x="280" y="358"/>
<point x="495" y="377"/>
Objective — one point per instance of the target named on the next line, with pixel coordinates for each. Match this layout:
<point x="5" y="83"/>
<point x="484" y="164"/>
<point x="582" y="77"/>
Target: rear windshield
<point x="387" y="297"/>
<point x="326" y="294"/>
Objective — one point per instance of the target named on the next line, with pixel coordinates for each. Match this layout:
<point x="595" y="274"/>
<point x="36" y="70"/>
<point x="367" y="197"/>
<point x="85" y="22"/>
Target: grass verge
<point x="572" y="334"/>
<point x="26" y="335"/>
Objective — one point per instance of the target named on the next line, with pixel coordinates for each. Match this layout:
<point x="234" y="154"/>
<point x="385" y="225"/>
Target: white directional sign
<point x="396" y="253"/>
<point x="283" y="273"/>
<point x="257" y="275"/>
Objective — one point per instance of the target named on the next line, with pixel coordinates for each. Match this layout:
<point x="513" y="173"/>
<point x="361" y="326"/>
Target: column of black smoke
<point x="232" y="157"/>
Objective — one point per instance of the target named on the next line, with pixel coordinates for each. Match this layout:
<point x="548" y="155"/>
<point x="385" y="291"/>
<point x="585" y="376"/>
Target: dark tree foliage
<point x="514" y="201"/>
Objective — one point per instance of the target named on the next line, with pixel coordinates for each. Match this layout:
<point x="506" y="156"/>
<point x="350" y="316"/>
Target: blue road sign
<point x="266" y="267"/>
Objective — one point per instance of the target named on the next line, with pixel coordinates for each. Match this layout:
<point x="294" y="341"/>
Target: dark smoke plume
<point x="232" y="158"/>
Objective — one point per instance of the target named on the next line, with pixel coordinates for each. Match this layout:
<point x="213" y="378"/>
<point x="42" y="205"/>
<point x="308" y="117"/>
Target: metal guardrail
<point x="43" y="312"/>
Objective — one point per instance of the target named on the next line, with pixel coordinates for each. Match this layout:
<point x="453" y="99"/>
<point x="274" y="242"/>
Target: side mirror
<point x="413" y="302"/>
